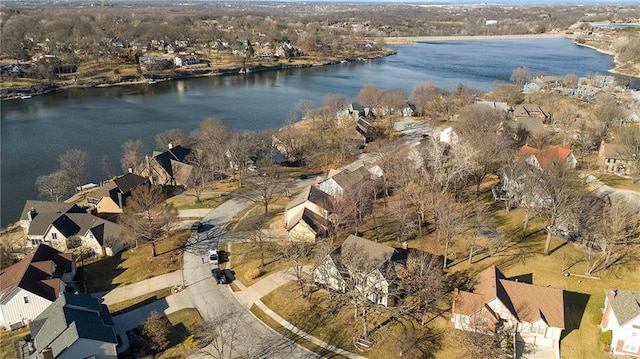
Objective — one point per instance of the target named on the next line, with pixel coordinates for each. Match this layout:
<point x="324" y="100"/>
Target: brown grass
<point x="137" y="302"/>
<point x="135" y="264"/>
<point x="245" y="257"/>
<point x="183" y="324"/>
<point x="8" y="339"/>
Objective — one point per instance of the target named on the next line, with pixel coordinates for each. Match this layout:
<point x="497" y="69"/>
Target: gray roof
<point x="626" y="305"/>
<point x="373" y="250"/>
<point x="313" y="195"/>
<point x="69" y="318"/>
<point x="49" y="207"/>
<point x="615" y="150"/>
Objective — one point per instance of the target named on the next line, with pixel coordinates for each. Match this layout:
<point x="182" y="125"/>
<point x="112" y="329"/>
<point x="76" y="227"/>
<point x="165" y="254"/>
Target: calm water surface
<point x="98" y="120"/>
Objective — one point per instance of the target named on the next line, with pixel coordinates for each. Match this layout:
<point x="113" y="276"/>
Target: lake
<point x="35" y="131"/>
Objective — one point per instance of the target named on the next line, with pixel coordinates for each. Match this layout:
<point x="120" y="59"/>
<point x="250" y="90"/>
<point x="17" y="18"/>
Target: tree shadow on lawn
<point x="98" y="275"/>
<point x="574" y="308"/>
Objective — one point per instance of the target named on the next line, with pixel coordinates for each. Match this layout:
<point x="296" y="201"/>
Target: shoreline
<point x="416" y="39"/>
<point x="22" y="93"/>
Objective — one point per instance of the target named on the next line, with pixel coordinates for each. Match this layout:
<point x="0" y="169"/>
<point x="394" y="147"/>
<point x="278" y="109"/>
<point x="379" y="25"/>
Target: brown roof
<point x="102" y="191"/>
<point x="349" y="179"/>
<point x="626" y="305"/>
<point x="315" y="221"/>
<point x="530" y="110"/>
<point x="615" y="150"/>
<point x="526" y="302"/>
<point x="33" y="273"/>
<point x="373" y="250"/>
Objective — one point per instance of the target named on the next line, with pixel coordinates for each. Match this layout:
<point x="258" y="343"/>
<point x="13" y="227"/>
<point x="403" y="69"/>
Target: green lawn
<point x="135" y="264"/>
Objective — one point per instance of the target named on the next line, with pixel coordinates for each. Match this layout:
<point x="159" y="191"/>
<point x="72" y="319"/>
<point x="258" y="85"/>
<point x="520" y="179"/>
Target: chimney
<point x="405" y="245"/>
<point x="130" y="170"/>
<point x="47" y="353"/>
<point x="31" y="214"/>
<point x="170" y="145"/>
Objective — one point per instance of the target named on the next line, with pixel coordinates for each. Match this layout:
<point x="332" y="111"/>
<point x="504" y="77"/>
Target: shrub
<point x="252" y="274"/>
<point x="156" y="328"/>
<point x="605" y="338"/>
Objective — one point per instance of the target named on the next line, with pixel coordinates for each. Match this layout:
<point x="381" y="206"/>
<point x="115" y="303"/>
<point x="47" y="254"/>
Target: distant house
<point x="535" y="314"/>
<point x="375" y="278"/>
<point x="613" y="158"/>
<point x="168" y="168"/>
<point x="531" y="111"/>
<point x="28" y="287"/>
<point x="494" y="105"/>
<point x="531" y="87"/>
<point x="112" y="195"/>
<point x="185" y="59"/>
<point x="357" y="110"/>
<point x="621" y="315"/>
<point x="344" y="181"/>
<point x="558" y="155"/>
<point x="153" y="63"/>
<point x="74" y="326"/>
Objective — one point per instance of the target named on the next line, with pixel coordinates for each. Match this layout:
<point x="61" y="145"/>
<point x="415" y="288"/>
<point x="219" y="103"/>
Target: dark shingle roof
<point x="626" y="305"/>
<point x="129" y="181"/>
<point x="69" y="318"/>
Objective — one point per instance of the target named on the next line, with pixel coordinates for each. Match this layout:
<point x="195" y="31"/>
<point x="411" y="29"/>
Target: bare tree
<point x="511" y="94"/>
<point x="173" y="137"/>
<point x="451" y="220"/>
<point x="264" y="188"/>
<point x="157" y="328"/>
<point x="520" y="75"/>
<point x="200" y="175"/>
<point x="213" y="138"/>
<point x="133" y="153"/>
<point x="53" y="186"/>
<point x="73" y="165"/>
<point x="298" y="254"/>
<point x="370" y="96"/>
<point x="480" y="343"/>
<point x="629" y="137"/>
<point x="421" y="284"/>
<point x="422" y="96"/>
<point x="147" y="216"/>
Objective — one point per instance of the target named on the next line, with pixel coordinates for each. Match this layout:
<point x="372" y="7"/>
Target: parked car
<point x="219" y="275"/>
<point x="213" y="256"/>
<point x="195" y="227"/>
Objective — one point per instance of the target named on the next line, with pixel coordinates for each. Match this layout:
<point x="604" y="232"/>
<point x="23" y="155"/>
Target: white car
<point x="213" y="256"/>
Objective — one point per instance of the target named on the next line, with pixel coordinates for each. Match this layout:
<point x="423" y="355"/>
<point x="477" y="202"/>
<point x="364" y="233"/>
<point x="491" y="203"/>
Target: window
<point x="630" y="348"/>
<point x="54" y="235"/>
<point x="26" y="299"/>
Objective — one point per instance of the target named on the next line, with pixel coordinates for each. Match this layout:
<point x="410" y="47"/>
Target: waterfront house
<point x="185" y="59"/>
<point x="310" y="198"/>
<point x="168" y="168"/>
<point x="74" y="326"/>
<point x="28" y="287"/>
<point x="33" y="209"/>
<point x="621" y="315"/>
<point x="530" y="110"/>
<point x="111" y="196"/>
<point x="534" y="314"/>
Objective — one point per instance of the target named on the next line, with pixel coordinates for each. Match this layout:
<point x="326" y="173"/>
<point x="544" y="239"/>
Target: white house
<point x="74" y="326"/>
<point x="310" y="198"/>
<point x="184" y="59"/>
<point x="621" y="315"/>
<point x="31" y="285"/>
<point x="536" y="314"/>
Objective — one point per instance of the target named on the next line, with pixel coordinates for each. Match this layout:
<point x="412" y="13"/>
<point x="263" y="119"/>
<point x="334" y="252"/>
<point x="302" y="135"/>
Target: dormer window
<point x="26" y="300"/>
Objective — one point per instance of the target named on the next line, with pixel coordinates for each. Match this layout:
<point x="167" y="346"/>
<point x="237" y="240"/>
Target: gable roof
<point x="530" y="110"/>
<point x="176" y="153"/>
<point x="69" y="318"/>
<point x="313" y="195"/>
<point x="626" y="305"/>
<point x="33" y="273"/>
<point x="315" y="221"/>
<point x="615" y="150"/>
<point x="348" y="179"/>
<point x="554" y="155"/>
<point x="41" y="207"/>
<point x="373" y="250"/>
<point x="526" y="302"/>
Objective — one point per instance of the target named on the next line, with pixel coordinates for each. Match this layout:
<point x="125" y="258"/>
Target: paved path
<point x="130" y="291"/>
<point x="164" y="306"/>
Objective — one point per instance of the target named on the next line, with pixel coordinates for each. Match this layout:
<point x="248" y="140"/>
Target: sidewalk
<point x="164" y="306"/>
<point x="126" y="292"/>
<point x="248" y="296"/>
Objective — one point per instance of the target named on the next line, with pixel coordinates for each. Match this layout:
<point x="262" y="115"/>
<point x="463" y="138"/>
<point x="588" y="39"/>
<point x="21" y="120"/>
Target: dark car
<point x="196" y="226"/>
<point x="219" y="276"/>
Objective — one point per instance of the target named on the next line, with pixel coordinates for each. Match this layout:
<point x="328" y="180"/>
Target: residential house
<point x="495" y="105"/>
<point x="74" y="326"/>
<point x="307" y="226"/>
<point x="613" y="158"/>
<point x="531" y="87"/>
<point x="33" y="208"/>
<point x="534" y="160"/>
<point x="363" y="265"/>
<point x="357" y="110"/>
<point x="65" y="231"/>
<point x="310" y="198"/>
<point x="535" y="314"/>
<point x="168" y="168"/>
<point x="28" y="287"/>
<point x="112" y="195"/>
<point x="531" y="111"/>
<point x="185" y="59"/>
<point x="344" y="181"/>
<point x="153" y="63"/>
<point x="621" y="315"/>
